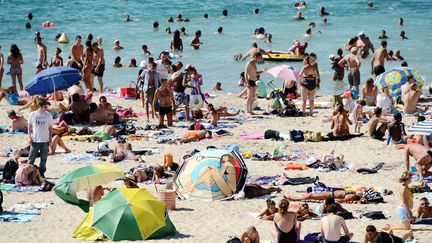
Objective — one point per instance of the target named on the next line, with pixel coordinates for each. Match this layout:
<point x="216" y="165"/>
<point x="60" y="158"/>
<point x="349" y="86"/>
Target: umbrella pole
<point x="55" y="100"/>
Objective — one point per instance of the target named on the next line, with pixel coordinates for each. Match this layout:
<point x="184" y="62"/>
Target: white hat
<point x="361" y="33"/>
<point x="331" y="56"/>
<point x="311" y="161"/>
<point x="143" y="63"/>
<point x="103" y="147"/>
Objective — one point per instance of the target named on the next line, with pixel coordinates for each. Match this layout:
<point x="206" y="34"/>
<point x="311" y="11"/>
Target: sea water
<point x="214" y="60"/>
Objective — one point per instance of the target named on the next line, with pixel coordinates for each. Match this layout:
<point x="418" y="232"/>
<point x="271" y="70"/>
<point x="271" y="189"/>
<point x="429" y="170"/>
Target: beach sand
<point x="198" y="221"/>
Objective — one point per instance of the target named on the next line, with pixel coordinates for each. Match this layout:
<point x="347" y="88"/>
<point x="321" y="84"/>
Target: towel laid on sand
<point x="16" y="217"/>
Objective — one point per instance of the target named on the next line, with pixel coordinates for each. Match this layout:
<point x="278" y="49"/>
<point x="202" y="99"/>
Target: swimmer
<point x="383" y="35"/>
<point x="219" y="30"/>
<point x="255" y="11"/>
<point x="127" y="18"/>
<point x="298" y="16"/>
<point x="324" y="21"/>
<point x="402" y="35"/>
<point x="117" y="62"/>
<point x="144" y="50"/>
<point x="308" y="33"/>
<point x="269" y="39"/>
<point x="170" y="19"/>
<point x="397" y="56"/>
<point x="179" y="18"/>
<point x="322" y="12"/>
<point x="370" y="5"/>
<point x="312" y="25"/>
<point x="132" y="63"/>
<point x="30" y="16"/>
<point x="401" y="22"/>
<point x="28" y="25"/>
<point x="117" y="46"/>
<point x="205" y="16"/>
<point x="168" y="31"/>
<point x="217" y="87"/>
<point x="224" y="14"/>
<point x="195" y="42"/>
<point x="182" y="31"/>
<point x="155" y="26"/>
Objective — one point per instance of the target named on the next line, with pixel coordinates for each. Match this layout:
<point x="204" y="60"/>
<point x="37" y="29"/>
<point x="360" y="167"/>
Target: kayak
<point x="282" y="56"/>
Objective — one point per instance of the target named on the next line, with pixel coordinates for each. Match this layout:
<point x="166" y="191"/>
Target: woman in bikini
<point x="287" y="228"/>
<point x="369" y="93"/>
<point x="56" y="60"/>
<point x="309" y="83"/>
<point x="340" y="122"/>
<point x="385" y="101"/>
<point x="339" y="196"/>
<point x="15" y="59"/>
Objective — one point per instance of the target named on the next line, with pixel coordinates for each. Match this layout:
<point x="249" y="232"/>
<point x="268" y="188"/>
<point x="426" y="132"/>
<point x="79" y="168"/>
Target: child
<point x="396" y="130"/>
<point x="357" y="115"/>
<point x="241" y="81"/>
<point x="270" y="211"/>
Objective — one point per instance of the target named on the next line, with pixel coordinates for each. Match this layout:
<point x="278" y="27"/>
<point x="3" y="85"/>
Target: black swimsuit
<point x="309" y="83"/>
<point x="289" y="237"/>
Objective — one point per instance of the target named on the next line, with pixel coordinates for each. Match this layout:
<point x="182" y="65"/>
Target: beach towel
<point x="17" y="188"/>
<point x="6" y="187"/>
<point x="296" y="166"/>
<point x="16" y="217"/>
<point x="427" y="179"/>
<point x="27" y="208"/>
<point x="208" y="126"/>
<point x="251" y="136"/>
<point x="80" y="157"/>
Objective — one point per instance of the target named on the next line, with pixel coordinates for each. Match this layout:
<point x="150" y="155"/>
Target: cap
<point x="11" y="113"/>
<point x="331" y="56"/>
<point x="103" y="146"/>
<point x="346" y="94"/>
<point x="143" y="63"/>
<point x="361" y="33"/>
<point x="189" y="66"/>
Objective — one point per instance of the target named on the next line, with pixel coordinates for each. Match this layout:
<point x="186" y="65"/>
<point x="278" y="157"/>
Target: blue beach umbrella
<point x="395" y="78"/>
<point x="421" y="128"/>
<point x="53" y="79"/>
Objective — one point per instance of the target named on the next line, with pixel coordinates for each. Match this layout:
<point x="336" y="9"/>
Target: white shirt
<point x="40" y="123"/>
<point x="161" y="69"/>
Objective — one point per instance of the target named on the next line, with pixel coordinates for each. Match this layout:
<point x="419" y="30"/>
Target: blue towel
<point x="16" y="217"/>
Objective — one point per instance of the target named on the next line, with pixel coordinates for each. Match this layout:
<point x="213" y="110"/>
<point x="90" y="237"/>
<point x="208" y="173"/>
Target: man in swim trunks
<point x="98" y="63"/>
<point x="410" y="95"/>
<point x="353" y="63"/>
<point x="19" y="123"/>
<point x="151" y="84"/>
<point x="378" y="58"/>
<point x="165" y="97"/>
<point x="253" y="50"/>
<point x="422" y="155"/>
<point x="363" y="45"/>
<point x="251" y="76"/>
<point x="41" y="53"/>
<point x="76" y="53"/>
<point x="105" y="117"/>
<point x="373" y="124"/>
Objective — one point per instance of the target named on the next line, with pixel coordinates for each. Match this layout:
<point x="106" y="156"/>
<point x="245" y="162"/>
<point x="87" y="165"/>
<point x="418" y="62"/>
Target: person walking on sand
<point x="76" y="54"/>
<point x="15" y="60"/>
<point x="166" y="103"/>
<point x="98" y="63"/>
<point x="251" y="76"/>
<point x="151" y="84"/>
<point x="353" y="63"/>
<point x="40" y="124"/>
<point x="378" y="58"/>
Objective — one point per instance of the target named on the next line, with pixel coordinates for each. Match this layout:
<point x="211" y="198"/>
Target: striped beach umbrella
<point x="421" y="128"/>
<point x="395" y="78"/>
<point x="212" y="174"/>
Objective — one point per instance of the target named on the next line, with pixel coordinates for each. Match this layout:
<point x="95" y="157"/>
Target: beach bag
<point x="346" y="215"/>
<point x="196" y="102"/>
<point x="276" y="104"/>
<point x="312" y="136"/>
<point x="312" y="238"/>
<point x="296" y="136"/>
<point x="371" y="196"/>
<point x="271" y="134"/>
<point x="290" y="111"/>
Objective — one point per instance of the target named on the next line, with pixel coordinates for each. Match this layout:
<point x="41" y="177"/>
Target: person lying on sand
<point x="424" y="210"/>
<point x="145" y="173"/>
<point x="123" y="151"/>
<point x="304" y="212"/>
<point x="191" y="136"/>
<point x="104" y="117"/>
<point x="332" y="161"/>
<point x="255" y="190"/>
<point x="268" y="213"/>
<point x="110" y="130"/>
<point x="372" y="236"/>
<point x="339" y="195"/>
<point x="422" y="156"/>
<point x="12" y="97"/>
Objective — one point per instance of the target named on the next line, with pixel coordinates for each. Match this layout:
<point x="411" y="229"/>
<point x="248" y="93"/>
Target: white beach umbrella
<point x="421" y="128"/>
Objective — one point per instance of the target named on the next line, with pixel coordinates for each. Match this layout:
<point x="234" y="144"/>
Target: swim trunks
<point x="251" y="83"/>
<point x="75" y="65"/>
<point x="354" y="77"/>
<point x="149" y="95"/>
<point x="181" y="98"/>
<point x="378" y="70"/>
<point x="401" y="213"/>
<point x="15" y="70"/>
<point x="165" y="110"/>
<point x="100" y="71"/>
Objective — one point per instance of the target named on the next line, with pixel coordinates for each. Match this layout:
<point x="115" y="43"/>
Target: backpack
<point x="296" y="136"/>
<point x="271" y="134"/>
<point x="371" y="196"/>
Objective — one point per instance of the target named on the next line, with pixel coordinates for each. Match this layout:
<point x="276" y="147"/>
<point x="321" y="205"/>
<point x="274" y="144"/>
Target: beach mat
<point x="16" y="217"/>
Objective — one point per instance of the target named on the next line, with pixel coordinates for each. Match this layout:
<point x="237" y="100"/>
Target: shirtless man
<point x="104" y="117"/>
<point x="339" y="124"/>
<point x="424" y="211"/>
<point x="254" y="50"/>
<point x="331" y="226"/>
<point x="363" y="45"/>
<point x="123" y="151"/>
<point x="166" y="103"/>
<point x="353" y="62"/>
<point x="378" y="58"/>
<point x="421" y="154"/>
<point x="410" y="95"/>
<point x="41" y="53"/>
<point x="109" y="129"/>
<point x="372" y="236"/>
<point x="98" y="63"/>
<point x="195" y="42"/>
<point x="76" y="53"/>
<point x="19" y="123"/>
<point x="251" y="76"/>
<point x="377" y="133"/>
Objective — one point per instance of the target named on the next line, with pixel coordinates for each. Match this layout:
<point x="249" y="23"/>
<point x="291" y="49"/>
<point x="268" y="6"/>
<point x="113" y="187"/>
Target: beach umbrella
<point x="83" y="178"/>
<point x="53" y="79"/>
<point x="421" y="128"/>
<point x="284" y="72"/>
<point x="395" y="78"/>
<point x="128" y="214"/>
<point x="211" y="175"/>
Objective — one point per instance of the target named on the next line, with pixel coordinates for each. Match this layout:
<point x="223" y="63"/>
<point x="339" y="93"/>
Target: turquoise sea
<point x="215" y="59"/>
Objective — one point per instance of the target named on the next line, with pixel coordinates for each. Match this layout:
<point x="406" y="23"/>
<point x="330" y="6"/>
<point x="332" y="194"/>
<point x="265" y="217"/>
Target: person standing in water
<point x="195" y="42"/>
<point x="88" y="65"/>
<point x="378" y="58"/>
<point x="251" y="76"/>
<point x="76" y="53"/>
<point x="41" y="53"/>
<point x="15" y="60"/>
<point x="353" y="63"/>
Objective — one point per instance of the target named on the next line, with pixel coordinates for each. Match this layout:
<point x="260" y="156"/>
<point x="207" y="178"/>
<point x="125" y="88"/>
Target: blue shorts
<point x="402" y="214"/>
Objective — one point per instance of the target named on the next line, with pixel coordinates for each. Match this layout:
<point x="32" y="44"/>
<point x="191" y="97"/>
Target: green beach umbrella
<point x="83" y="178"/>
<point x="128" y="214"/>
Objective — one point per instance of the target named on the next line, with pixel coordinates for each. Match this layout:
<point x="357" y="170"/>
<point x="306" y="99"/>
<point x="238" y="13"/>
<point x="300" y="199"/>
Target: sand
<point x="198" y="221"/>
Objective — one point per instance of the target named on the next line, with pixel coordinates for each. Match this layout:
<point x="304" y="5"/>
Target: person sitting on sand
<point x="377" y="133"/>
<point x="372" y="236"/>
<point x="10" y="168"/>
<point x="410" y="95"/>
<point x="104" y="117"/>
<point x="403" y="211"/>
<point x="19" y="123"/>
<point x="287" y="228"/>
<point x="251" y="235"/>
<point x="331" y="226"/>
<point x="27" y="175"/>
<point x="80" y="109"/>
<point x="424" y="211"/>
<point x="422" y="156"/>
<point x="123" y="151"/>
<point x="269" y="212"/>
<point x="369" y="92"/>
<point x="396" y="130"/>
<point x="56" y="140"/>
<point x="340" y="122"/>
<point x="304" y="212"/>
<point x="339" y="195"/>
<point x="12" y="97"/>
<point x="95" y="194"/>
<point x="105" y="105"/>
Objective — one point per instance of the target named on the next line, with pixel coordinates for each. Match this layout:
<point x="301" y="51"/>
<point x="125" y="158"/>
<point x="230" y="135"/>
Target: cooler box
<point x="127" y="92"/>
